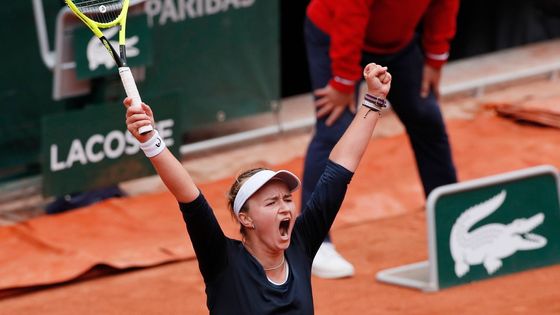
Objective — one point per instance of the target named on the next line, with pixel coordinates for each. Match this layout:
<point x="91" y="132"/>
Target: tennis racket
<point x="98" y="14"/>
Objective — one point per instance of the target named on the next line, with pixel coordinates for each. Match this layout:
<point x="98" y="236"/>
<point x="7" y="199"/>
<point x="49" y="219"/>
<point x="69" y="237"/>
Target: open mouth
<point x="284" y="226"/>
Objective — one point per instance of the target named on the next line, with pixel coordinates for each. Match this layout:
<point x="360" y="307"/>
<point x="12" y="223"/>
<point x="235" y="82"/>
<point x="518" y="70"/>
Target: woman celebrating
<point x="269" y="270"/>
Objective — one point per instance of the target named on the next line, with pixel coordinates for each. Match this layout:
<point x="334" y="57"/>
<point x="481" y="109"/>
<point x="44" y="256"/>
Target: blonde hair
<point x="234" y="189"/>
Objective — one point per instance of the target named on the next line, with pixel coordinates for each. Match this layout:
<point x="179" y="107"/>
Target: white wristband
<point x="154" y="146"/>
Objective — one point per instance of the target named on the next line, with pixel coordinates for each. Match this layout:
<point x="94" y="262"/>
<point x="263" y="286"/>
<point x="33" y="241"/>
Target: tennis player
<point x="269" y="270"/>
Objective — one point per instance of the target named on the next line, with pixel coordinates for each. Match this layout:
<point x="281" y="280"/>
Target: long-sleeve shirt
<point x="381" y="27"/>
<point x="235" y="281"/>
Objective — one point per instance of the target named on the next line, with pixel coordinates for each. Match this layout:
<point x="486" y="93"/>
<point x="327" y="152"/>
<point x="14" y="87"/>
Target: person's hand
<point x="378" y="80"/>
<point x="430" y="81"/>
<point x="332" y="102"/>
<point x="137" y="117"/>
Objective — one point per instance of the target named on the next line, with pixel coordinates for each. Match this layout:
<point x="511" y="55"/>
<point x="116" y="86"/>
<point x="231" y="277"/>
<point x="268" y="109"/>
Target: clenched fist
<point x="378" y="80"/>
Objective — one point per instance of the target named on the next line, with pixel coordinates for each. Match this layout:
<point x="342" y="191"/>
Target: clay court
<point x="132" y="255"/>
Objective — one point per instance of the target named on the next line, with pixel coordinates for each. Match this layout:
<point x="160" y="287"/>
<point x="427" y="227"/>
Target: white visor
<point x="258" y="180"/>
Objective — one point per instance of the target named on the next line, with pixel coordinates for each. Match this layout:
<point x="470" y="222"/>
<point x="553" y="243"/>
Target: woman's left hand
<point x="378" y="80"/>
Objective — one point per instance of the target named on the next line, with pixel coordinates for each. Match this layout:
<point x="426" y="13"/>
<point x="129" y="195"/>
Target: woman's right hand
<point x="138" y="116"/>
<point x="378" y="80"/>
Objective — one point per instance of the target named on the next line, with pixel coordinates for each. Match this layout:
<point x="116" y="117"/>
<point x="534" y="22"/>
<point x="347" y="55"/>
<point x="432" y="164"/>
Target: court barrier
<point x="487" y="227"/>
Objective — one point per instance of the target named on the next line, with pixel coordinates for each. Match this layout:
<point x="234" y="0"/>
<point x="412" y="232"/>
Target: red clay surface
<point x="381" y="225"/>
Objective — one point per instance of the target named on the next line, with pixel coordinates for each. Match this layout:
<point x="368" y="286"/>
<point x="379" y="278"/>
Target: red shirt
<point x="381" y="27"/>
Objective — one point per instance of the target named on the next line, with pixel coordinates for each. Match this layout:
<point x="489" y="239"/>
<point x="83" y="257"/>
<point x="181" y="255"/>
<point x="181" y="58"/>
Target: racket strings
<point x="101" y="11"/>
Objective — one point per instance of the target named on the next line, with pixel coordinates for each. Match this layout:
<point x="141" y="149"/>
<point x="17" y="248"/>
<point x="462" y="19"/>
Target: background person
<point x="341" y="35"/>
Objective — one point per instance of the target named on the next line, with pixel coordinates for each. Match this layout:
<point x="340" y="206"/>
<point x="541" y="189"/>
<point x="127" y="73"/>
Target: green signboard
<point x="92" y="59"/>
<point x="496" y="229"/>
<point x="91" y="148"/>
<point x="220" y="58"/>
<point x="25" y="86"/>
<point x="487" y="227"/>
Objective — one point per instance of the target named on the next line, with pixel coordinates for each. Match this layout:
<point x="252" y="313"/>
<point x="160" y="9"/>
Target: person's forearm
<point x="175" y="177"/>
<point x="350" y="148"/>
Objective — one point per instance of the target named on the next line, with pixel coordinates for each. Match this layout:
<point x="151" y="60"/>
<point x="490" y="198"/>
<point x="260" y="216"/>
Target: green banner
<point x="25" y="85"/>
<point x="220" y="58"/>
<point x="497" y="229"/>
<point x="91" y="148"/>
<point x="92" y="58"/>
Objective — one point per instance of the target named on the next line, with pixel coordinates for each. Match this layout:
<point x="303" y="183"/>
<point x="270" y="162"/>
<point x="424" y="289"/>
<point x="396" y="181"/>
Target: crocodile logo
<point x="97" y="53"/>
<point x="491" y="243"/>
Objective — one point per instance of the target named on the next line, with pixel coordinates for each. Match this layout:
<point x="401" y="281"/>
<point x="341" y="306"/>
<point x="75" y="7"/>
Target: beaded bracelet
<point x="373" y="103"/>
<point x="379" y="101"/>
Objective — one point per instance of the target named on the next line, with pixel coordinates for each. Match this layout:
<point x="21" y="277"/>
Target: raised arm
<point x="169" y="169"/>
<point x="350" y="148"/>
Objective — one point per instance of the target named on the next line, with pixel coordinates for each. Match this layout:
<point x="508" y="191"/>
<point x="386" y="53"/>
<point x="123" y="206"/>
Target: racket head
<point x="100" y="13"/>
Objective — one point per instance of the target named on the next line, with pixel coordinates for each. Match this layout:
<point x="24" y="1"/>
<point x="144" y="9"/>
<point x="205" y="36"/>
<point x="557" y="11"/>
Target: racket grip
<point x="132" y="92"/>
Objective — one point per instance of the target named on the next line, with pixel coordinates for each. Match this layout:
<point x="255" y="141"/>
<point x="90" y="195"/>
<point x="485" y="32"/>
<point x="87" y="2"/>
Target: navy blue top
<point x="235" y="282"/>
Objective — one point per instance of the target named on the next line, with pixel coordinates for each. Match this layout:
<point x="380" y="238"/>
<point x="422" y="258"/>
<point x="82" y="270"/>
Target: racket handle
<point x="132" y="92"/>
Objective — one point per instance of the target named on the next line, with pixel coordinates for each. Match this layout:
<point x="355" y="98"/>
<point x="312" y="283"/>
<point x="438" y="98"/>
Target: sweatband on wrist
<point x="153" y="146"/>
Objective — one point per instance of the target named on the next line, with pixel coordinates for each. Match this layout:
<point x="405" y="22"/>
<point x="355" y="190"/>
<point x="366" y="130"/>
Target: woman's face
<point x="272" y="210"/>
